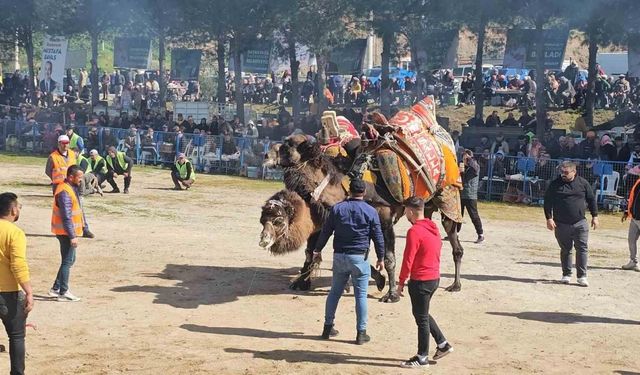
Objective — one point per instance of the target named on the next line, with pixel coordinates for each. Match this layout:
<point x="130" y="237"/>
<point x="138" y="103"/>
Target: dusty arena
<point x="175" y="283"/>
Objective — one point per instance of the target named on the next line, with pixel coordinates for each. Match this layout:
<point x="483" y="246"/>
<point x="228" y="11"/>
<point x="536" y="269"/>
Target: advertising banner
<point x="76" y="59"/>
<point x="185" y="64"/>
<point x="520" y="52"/>
<point x="132" y="53"/>
<point x="348" y="59"/>
<point x="438" y="50"/>
<point x="257" y="57"/>
<point x="54" y="53"/>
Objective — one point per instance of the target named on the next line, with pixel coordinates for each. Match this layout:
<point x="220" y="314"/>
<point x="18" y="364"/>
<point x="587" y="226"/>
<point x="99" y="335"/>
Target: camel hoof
<point x="302" y="285"/>
<point x="455" y="287"/>
<point x="390" y="298"/>
<point x="381" y="282"/>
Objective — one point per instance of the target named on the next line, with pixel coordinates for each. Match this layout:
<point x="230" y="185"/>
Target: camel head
<point x="277" y="214"/>
<point x="272" y="157"/>
<point x="297" y="149"/>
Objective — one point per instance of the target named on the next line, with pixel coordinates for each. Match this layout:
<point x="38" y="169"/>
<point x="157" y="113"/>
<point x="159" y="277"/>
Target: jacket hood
<point x="429" y="225"/>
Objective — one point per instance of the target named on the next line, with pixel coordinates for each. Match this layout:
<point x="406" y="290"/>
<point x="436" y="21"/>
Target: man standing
<point x="59" y="160"/>
<point x="469" y="194"/>
<point x="564" y="206"/>
<point x="354" y="223"/>
<point x="118" y="164"/>
<point x="75" y="141"/>
<point x="14" y="274"/>
<point x="183" y="173"/>
<point x="633" y="212"/>
<point x="67" y="223"/>
<point x="421" y="262"/>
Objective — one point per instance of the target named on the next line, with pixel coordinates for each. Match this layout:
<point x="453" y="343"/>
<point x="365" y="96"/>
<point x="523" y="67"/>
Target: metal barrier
<point x="503" y="178"/>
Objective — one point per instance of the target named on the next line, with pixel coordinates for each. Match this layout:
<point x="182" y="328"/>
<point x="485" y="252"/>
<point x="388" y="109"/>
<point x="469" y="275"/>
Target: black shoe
<point x="177" y="188"/>
<point x="480" y="238"/>
<point x="442" y="352"/>
<point x="114" y="191"/>
<point x="126" y="191"/>
<point x="88" y="234"/>
<point x="362" y="337"/>
<point x="329" y="331"/>
<point x="414" y="362"/>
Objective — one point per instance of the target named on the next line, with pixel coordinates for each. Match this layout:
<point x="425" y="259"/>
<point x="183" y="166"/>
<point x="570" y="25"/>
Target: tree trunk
<point x="385" y="95"/>
<point x="222" y="82"/>
<point x="237" y="62"/>
<point x="591" y="81"/>
<point x="95" y="92"/>
<point x="295" y="83"/>
<point x="478" y="84"/>
<point x="416" y="94"/>
<point x="541" y="105"/>
<point x="28" y="45"/>
<point x="161" y="58"/>
<point x="321" y="81"/>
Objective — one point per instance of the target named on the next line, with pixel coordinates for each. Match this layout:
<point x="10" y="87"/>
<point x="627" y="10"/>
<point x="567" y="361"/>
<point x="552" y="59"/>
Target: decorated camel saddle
<point x="336" y="134"/>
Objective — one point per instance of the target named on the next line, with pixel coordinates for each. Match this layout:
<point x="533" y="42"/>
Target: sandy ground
<point x="175" y="283"/>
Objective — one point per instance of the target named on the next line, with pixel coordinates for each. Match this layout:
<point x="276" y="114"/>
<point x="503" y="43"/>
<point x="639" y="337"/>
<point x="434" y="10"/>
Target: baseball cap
<point x="63" y="139"/>
<point x="181" y="155"/>
<point x="357" y="186"/>
<point x="93" y="152"/>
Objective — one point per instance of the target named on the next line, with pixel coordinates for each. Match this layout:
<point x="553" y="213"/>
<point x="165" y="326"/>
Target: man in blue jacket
<point x="354" y="223"/>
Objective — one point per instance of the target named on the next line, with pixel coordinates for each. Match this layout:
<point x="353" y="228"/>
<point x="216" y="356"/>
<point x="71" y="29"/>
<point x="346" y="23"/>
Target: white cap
<point x="63" y="139"/>
<point x="93" y="152"/>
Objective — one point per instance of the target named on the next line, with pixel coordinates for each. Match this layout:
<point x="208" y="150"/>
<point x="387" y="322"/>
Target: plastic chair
<point x="609" y="185"/>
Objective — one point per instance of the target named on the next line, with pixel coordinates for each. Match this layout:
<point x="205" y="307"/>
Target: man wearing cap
<point x="118" y="164"/>
<point x="58" y="162"/>
<point x="354" y="223"/>
<point x="90" y="183"/>
<point x="98" y="166"/>
<point x="182" y="172"/>
<point x="75" y="141"/>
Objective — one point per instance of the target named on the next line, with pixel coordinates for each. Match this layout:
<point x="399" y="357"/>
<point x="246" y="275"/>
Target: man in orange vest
<point x="59" y="160"/>
<point x="67" y="223"/>
<point x="633" y="213"/>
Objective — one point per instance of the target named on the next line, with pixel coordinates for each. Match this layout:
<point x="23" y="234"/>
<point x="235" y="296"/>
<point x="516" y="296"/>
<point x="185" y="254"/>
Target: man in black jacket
<point x="564" y="209"/>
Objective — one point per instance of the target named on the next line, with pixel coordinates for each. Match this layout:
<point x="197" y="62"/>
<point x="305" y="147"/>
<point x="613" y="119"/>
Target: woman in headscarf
<point x="607" y="150"/>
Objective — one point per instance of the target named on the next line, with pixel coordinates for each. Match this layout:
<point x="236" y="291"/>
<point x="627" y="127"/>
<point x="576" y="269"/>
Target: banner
<point x="520" y="52"/>
<point x="54" y="53"/>
<point x="348" y="59"/>
<point x="438" y="50"/>
<point x="133" y="53"/>
<point x="257" y="57"/>
<point x="185" y="64"/>
<point x="76" y="59"/>
<point x="633" y="55"/>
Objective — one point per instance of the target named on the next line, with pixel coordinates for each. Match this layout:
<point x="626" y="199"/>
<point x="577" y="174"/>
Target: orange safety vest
<point x="57" y="225"/>
<point x="60" y="165"/>
<point x="631" y="195"/>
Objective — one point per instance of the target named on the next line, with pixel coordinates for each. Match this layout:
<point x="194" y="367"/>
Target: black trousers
<point x="421" y="293"/>
<point x="14" y="320"/>
<point x="112" y="182"/>
<point x="176" y="179"/>
<point x="471" y="205"/>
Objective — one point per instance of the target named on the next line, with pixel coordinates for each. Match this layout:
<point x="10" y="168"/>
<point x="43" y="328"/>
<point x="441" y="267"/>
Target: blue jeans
<point x="68" y="255"/>
<point x="358" y="268"/>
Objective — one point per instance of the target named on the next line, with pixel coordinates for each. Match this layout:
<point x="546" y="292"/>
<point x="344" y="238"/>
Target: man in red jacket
<point x="421" y="262"/>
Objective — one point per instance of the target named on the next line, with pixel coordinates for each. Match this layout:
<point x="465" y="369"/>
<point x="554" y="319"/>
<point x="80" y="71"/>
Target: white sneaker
<point x="631" y="266"/>
<point x="68" y="297"/>
<point x="565" y="279"/>
<point x="55" y="293"/>
<point x="582" y="281"/>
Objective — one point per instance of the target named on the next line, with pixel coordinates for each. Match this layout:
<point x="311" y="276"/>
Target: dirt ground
<point x="175" y="283"/>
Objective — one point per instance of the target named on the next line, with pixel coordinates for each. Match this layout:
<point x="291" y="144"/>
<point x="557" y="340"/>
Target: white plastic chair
<point x="610" y="185"/>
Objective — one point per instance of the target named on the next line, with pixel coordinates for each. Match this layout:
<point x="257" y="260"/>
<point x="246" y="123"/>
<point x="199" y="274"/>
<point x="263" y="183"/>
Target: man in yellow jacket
<point x="183" y="173"/>
<point x="67" y="223"/>
<point x="118" y="163"/>
<point x="59" y="160"/>
<point x="15" y="305"/>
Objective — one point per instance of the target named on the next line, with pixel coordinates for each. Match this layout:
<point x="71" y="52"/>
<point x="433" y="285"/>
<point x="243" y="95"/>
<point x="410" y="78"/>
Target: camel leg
<point x="452" y="232"/>
<point x="390" y="260"/>
<point x="303" y="282"/>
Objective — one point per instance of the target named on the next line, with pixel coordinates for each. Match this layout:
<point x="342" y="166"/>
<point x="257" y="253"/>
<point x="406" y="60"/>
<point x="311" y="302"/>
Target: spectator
<point x="568" y="148"/>
<point x="510" y="120"/>
<point x="525" y="119"/>
<point x="623" y="153"/>
<point x="484" y="144"/>
<point x="476" y="121"/>
<point x="551" y="144"/>
<point x="229" y="149"/>
<point x="500" y="144"/>
<point x="522" y="149"/>
<point x="499" y="169"/>
<point x="634" y="159"/>
<point x="566" y="93"/>
<point x="493" y="120"/>
<point x="529" y="87"/>
<point x="607" y="148"/>
<point x="588" y="148"/>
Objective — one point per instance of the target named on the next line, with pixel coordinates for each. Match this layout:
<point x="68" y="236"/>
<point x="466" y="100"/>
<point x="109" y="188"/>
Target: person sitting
<point x="476" y="121"/>
<point x="484" y="144"/>
<point x="522" y="149"/>
<point x="510" y="120"/>
<point x="500" y="144"/>
<point x="493" y="120"/>
<point x="118" y="164"/>
<point x="525" y="119"/>
<point x="182" y="172"/>
<point x="229" y="149"/>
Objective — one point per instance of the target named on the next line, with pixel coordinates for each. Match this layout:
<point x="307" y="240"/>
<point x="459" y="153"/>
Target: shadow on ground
<point x="302" y="356"/>
<point x="553" y="264"/>
<point x="495" y="278"/>
<point x="212" y="285"/>
<point x="41" y="235"/>
<point x="564" y="318"/>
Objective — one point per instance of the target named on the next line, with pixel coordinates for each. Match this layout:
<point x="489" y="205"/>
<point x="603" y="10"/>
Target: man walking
<point x="59" y="160"/>
<point x="67" y="223"/>
<point x="633" y="212"/>
<point x="118" y="164"/>
<point x="564" y="206"/>
<point x="183" y="173"/>
<point x="421" y="263"/>
<point x="15" y="305"/>
<point x="354" y="223"/>
<point x="469" y="194"/>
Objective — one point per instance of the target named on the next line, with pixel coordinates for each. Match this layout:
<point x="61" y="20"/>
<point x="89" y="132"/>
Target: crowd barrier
<point x="510" y="179"/>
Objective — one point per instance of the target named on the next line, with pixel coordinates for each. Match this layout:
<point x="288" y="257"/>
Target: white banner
<point x="54" y="54"/>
